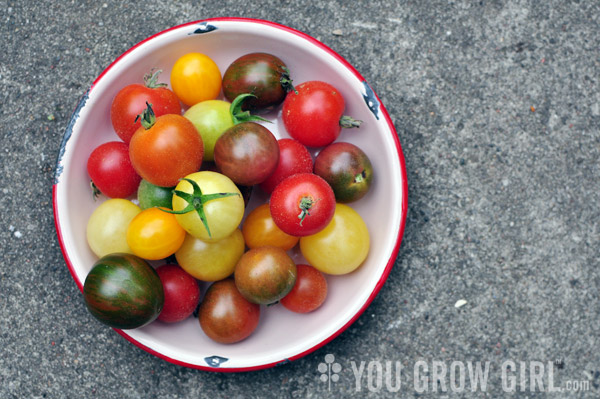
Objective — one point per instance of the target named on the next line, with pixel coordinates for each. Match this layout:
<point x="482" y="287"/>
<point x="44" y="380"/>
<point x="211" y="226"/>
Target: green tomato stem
<point x="349" y="122"/>
<point x="147" y="117"/>
<point x="286" y="81"/>
<point x="151" y="79"/>
<point x="239" y="116"/>
<point x="305" y="204"/>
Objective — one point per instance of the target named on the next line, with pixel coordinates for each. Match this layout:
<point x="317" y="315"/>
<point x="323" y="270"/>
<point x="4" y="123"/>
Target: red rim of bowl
<point x="393" y="255"/>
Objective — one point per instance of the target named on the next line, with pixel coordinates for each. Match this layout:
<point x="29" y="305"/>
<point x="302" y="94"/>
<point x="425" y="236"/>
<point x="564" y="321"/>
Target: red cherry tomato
<point x="293" y="158"/>
<point x="308" y="293"/>
<point x="169" y="149"/>
<point x="111" y="171"/>
<point x="313" y="114"/>
<point x="182" y="293"/>
<point x="131" y="100"/>
<point x="302" y="204"/>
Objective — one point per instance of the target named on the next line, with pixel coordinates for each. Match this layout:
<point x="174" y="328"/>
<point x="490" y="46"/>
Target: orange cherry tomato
<point x="154" y="234"/>
<point x="194" y="78"/>
<point x="260" y="230"/>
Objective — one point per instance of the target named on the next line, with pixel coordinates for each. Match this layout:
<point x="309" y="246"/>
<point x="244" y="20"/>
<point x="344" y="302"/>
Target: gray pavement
<point x="497" y="107"/>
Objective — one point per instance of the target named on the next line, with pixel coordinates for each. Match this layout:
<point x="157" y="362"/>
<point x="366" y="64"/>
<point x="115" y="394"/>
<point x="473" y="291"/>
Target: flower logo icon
<point x="329" y="370"/>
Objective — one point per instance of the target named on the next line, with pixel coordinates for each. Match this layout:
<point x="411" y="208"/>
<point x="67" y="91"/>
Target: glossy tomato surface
<point x="211" y="118"/>
<point x="171" y="138"/>
<point x="153" y="234"/>
<point x="293" y="158"/>
<point x="263" y="75"/>
<point x="195" y="77"/>
<point x="309" y="292"/>
<point x="225" y="315"/>
<point x="123" y="291"/>
<point x="313" y="112"/>
<point x="111" y="171"/>
<point x="260" y="230"/>
<point x="247" y="153"/>
<point x="302" y="204"/>
<point x="264" y="275"/>
<point x="347" y="169"/>
<point x="131" y="101"/>
<point x="182" y="293"/>
<point x="106" y="229"/>
<point x="342" y="246"/>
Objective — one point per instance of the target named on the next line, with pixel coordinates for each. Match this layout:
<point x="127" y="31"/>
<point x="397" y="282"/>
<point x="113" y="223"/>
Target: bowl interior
<point x="281" y="334"/>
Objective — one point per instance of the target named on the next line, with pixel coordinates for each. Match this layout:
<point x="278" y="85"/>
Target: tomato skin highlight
<point x="247" y="153"/>
<point x="259" y="74"/>
<point x="312" y="113"/>
<point x="123" y="291"/>
<point x="288" y="200"/>
<point x="182" y="293"/>
<point x="131" y="101"/>
<point x="308" y="293"/>
<point x="154" y="234"/>
<point x="347" y="169"/>
<point x="111" y="171"/>
<point x="225" y="315"/>
<point x="167" y="151"/>
<point x="293" y="158"/>
<point x="264" y="275"/>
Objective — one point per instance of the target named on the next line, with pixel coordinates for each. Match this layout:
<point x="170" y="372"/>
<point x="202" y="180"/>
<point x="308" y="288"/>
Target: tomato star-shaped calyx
<point x="239" y="116"/>
<point x="305" y="204"/>
<point x="196" y="201"/>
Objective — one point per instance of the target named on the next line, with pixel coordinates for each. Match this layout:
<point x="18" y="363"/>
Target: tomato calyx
<point x="305" y="204"/>
<point x="196" y="201"/>
<point x="151" y="79"/>
<point x="360" y="176"/>
<point x="286" y="81"/>
<point x="147" y="117"/>
<point x="349" y="122"/>
<point x="95" y="191"/>
<point x="240" y="116"/>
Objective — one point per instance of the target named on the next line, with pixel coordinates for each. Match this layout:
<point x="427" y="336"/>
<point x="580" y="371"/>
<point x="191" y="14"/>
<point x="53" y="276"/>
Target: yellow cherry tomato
<point x="341" y="246"/>
<point x="211" y="261"/>
<point x="107" y="227"/>
<point x="154" y="234"/>
<point x="260" y="230"/>
<point x="221" y="215"/>
<point x="195" y="78"/>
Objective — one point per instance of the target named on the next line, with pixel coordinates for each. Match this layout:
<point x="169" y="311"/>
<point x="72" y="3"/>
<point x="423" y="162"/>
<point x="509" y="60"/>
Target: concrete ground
<point x="497" y="107"/>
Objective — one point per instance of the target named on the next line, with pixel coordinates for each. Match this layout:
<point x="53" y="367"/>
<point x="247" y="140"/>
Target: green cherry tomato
<point x="211" y="118"/>
<point x="150" y="195"/>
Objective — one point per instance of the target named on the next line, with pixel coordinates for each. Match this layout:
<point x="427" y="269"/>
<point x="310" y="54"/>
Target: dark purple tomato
<point x="111" y="170"/>
<point x="225" y="315"/>
<point x="347" y="169"/>
<point x="293" y="158"/>
<point x="261" y="74"/>
<point x="264" y="275"/>
<point x="247" y="153"/>
<point x="123" y="291"/>
<point x="182" y="293"/>
<point x="308" y="293"/>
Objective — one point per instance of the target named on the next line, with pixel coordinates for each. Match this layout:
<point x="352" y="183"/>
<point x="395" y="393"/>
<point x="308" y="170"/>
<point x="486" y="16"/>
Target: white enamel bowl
<point x="281" y="335"/>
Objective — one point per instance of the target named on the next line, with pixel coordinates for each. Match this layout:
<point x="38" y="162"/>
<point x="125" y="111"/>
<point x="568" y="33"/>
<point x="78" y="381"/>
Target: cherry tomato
<point x="154" y="234"/>
<point x="214" y="219"/>
<point x="302" y="204"/>
<point x="293" y="158"/>
<point x="262" y="74"/>
<point x="313" y="114"/>
<point x="131" y="101"/>
<point x="347" y="169"/>
<point x="165" y="149"/>
<point x="211" y="118"/>
<point x="308" y="293"/>
<point x="195" y="77"/>
<point x="182" y="293"/>
<point x="247" y="153"/>
<point x="260" y="230"/>
<point x="225" y="315"/>
<point x="342" y="246"/>
<point x="211" y="261"/>
<point x="106" y="230"/>
<point x="264" y="275"/>
<point x="111" y="171"/>
<point x="150" y="195"/>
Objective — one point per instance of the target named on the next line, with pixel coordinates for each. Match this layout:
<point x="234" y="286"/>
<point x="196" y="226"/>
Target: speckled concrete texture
<point x="497" y="107"/>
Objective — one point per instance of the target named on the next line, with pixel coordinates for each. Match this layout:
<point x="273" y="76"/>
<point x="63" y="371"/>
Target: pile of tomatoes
<point x="178" y="187"/>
